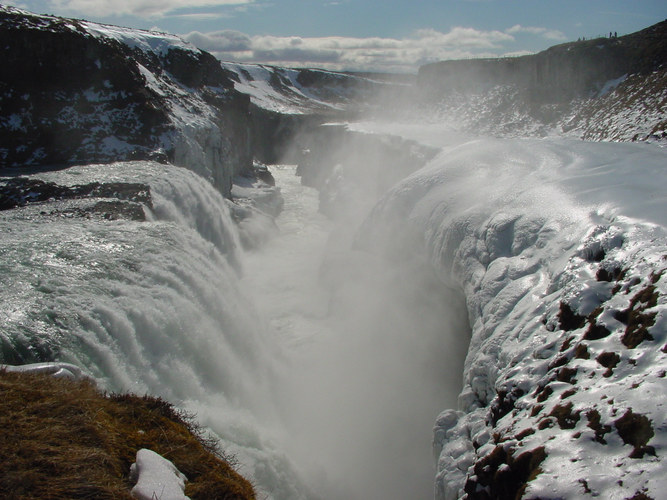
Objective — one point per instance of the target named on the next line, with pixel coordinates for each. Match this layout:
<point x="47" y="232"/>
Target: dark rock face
<point x="70" y="95"/>
<point x="503" y="474"/>
<point x="273" y="133"/>
<point x="48" y="109"/>
<point x="107" y="210"/>
<point x="196" y="69"/>
<point x="122" y="199"/>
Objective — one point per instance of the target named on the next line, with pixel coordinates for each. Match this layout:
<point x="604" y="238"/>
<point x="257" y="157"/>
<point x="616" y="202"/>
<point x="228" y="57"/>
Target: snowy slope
<point x="302" y="91"/>
<point x="630" y="108"/>
<point x="611" y="89"/>
<point x="559" y="248"/>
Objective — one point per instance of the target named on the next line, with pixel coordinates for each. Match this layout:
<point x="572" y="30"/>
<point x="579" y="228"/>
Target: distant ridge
<point x="600" y="89"/>
<point x="562" y="71"/>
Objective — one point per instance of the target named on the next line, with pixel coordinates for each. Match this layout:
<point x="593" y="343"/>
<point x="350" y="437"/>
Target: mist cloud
<point x="221" y="41"/>
<point x="350" y="53"/>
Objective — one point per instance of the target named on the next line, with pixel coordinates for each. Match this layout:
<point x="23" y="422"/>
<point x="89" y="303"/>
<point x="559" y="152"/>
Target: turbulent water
<point x="319" y="367"/>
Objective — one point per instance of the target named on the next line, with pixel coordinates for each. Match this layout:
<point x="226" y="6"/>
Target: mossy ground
<point x="63" y="439"/>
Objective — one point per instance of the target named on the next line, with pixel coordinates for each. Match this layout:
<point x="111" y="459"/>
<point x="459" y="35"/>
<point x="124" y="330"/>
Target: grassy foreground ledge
<point x="63" y="439"/>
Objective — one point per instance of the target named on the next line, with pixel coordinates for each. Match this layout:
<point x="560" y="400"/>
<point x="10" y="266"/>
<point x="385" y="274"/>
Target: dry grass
<point x="64" y="440"/>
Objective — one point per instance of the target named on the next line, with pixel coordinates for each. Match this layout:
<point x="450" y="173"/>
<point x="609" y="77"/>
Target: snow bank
<point x="156" y="477"/>
<point x="57" y="369"/>
<point x="560" y="249"/>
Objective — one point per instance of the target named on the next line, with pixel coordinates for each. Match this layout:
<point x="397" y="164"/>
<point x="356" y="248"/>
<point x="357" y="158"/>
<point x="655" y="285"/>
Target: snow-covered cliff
<point x="559" y="248"/>
<point x="286" y="101"/>
<point x="78" y="92"/>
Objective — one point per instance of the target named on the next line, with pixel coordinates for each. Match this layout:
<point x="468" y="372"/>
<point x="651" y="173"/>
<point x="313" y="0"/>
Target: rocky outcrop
<point x="110" y="200"/>
<point x="21" y="191"/>
<point x="80" y="92"/>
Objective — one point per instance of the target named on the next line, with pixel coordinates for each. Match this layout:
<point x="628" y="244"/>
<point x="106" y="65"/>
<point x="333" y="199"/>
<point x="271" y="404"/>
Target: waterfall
<point x="306" y="357"/>
<point x="149" y="307"/>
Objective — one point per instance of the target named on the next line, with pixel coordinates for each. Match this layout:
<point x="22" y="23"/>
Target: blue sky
<point x="389" y="35"/>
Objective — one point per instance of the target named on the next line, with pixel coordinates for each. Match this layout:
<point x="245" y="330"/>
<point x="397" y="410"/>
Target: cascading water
<point x="322" y="362"/>
<point x="148" y="307"/>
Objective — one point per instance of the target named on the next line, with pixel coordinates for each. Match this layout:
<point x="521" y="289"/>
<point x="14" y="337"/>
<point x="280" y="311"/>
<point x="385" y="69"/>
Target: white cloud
<point x="349" y="53"/>
<point x="201" y="16"/>
<point x="534" y="30"/>
<point x="466" y="37"/>
<point x="141" y="8"/>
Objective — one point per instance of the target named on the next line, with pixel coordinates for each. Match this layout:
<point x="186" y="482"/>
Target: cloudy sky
<point x="366" y="35"/>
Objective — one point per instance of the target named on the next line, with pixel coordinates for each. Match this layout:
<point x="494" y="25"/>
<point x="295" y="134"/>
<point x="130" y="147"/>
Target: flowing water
<point x="322" y="368"/>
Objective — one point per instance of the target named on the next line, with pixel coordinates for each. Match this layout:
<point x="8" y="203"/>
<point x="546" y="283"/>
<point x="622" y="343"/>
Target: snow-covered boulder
<point x="55" y="369"/>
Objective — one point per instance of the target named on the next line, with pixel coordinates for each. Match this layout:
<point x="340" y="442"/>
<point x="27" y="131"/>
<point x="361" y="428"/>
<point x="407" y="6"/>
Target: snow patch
<point x="156" y="477"/>
<point x="611" y="85"/>
<point x="146" y="41"/>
